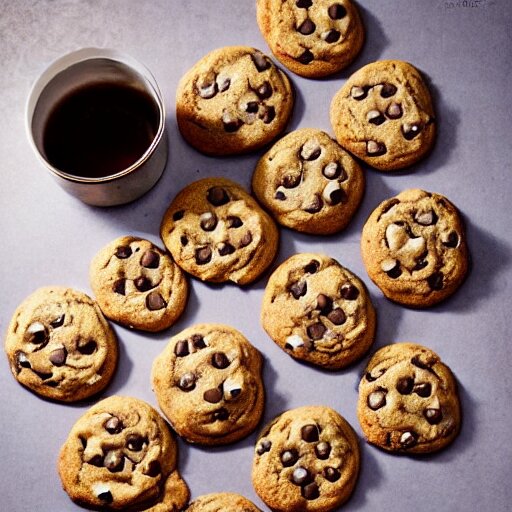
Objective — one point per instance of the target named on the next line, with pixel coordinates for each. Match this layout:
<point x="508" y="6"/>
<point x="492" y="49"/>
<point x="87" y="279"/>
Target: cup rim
<point x="76" y="57"/>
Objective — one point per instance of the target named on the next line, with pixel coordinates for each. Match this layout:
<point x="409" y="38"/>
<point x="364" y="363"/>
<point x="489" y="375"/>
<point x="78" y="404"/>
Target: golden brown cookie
<point x="414" y="248"/>
<point x="217" y="232"/>
<point x="384" y="115"/>
<point x="222" y="502"/>
<point x="120" y="455"/>
<point x="232" y="101"/>
<point x="138" y="285"/>
<point x="208" y="383"/>
<point x="309" y="183"/>
<point x="311" y="38"/>
<point x="306" y="460"/>
<point x="60" y="345"/>
<point x="408" y="400"/>
<point x="318" y="311"/>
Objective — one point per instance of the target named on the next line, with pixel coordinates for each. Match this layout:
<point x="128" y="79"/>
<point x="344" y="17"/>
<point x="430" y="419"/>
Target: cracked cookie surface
<point x="307" y="459"/>
<point x="208" y="383"/>
<point x="312" y="38"/>
<point x="222" y="502"/>
<point x="384" y="115"/>
<point x="309" y="182"/>
<point x="138" y="285"/>
<point x="414" y="248"/>
<point x="217" y="232"/>
<point x="232" y="101"/>
<point x="408" y="400"/>
<point x="120" y="455"/>
<point x="60" y="345"/>
<point x="318" y="311"/>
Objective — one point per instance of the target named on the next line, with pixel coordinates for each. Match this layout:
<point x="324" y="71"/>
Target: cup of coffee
<point x="96" y="119"/>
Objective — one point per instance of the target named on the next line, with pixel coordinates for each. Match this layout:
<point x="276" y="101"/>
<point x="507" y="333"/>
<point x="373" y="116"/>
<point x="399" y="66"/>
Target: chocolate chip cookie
<point x="138" y="285"/>
<point x="309" y="182"/>
<point x="234" y="100"/>
<point x="60" y="345"/>
<point x="208" y="383"/>
<point x="384" y="115"/>
<point x="222" y="501"/>
<point x="311" y="38"/>
<point x="217" y="232"/>
<point x="307" y="459"/>
<point x="121" y="455"/>
<point x="414" y="248"/>
<point x="408" y="400"/>
<point x="318" y="311"/>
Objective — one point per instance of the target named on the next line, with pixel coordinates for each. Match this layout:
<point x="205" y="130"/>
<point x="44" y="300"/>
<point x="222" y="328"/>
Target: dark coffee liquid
<point x="100" y="129"/>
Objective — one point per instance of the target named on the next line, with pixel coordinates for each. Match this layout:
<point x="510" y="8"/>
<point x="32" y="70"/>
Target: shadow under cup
<point x="96" y="119"/>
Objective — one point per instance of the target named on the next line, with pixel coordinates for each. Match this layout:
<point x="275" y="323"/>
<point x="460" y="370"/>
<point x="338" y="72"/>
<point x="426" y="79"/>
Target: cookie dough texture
<point x="138" y="285"/>
<point x="312" y="38"/>
<point x="384" y="115"/>
<point x="222" y="501"/>
<point x="408" y="400"/>
<point x="307" y="459"/>
<point x="208" y="383"/>
<point x="120" y="455"/>
<point x="217" y="232"/>
<point x="318" y="311"/>
<point x="60" y="345"/>
<point x="309" y="183"/>
<point x="234" y="100"/>
<point x="414" y="248"/>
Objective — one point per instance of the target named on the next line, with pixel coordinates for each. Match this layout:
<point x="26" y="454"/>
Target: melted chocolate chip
<point x="359" y="93"/>
<point x="36" y="333"/>
<point x="207" y="90"/>
<point x="114" y="461"/>
<point x="279" y="195"/>
<point x="154" y="469"/>
<point x="187" y="382"/>
<point x="264" y="446"/>
<point x="221" y="415"/>
<point x="123" y="252"/>
<point x="376" y="400"/>
<point x="183" y="240"/>
<point x="322" y="450"/>
<point x="416" y="361"/>
<point x="316" y="331"/>
<point x="181" y="348"/>
<point x="143" y="284"/>
<point x="231" y="122"/>
<point x="423" y="389"/>
<point x="331" y="474"/>
<point x="198" y="341"/>
<point x="260" y="61"/>
<point x="374" y="148"/>
<point x="119" y="286"/>
<point x="298" y="289"/>
<point x="96" y="460"/>
<point x="435" y="281"/>
<point x="312" y="267"/>
<point x="315" y="206"/>
<point x="309" y="433"/>
<point x="303" y="4"/>
<point x="394" y="111"/>
<point x="291" y="180"/>
<point x="349" y="292"/>
<point x="134" y="442"/>
<point x="433" y="416"/>
<point x="246" y="239"/>
<point x="310" y="491"/>
<point x="301" y="476"/>
<point x="332" y="170"/>
<point x="371" y="378"/>
<point x="114" y="425"/>
<point x="21" y="360"/>
<point x="409" y="131"/>
<point x="337" y="196"/>
<point x="208" y="221"/>
<point x="220" y="360"/>
<point x="289" y="457"/>
<point x="375" y="117"/>
<point x="305" y="57"/>
<point x="154" y="301"/>
<point x="264" y="91"/>
<point x="178" y="215"/>
<point x="307" y="27"/>
<point x="268" y="114"/>
<point x="58" y="322"/>
<point x="426" y="218"/>
<point x="336" y="11"/>
<point x="337" y="316"/>
<point x="388" y="90"/>
<point x="225" y="248"/>
<point x="395" y="272"/>
<point x="217" y="196"/>
<point x="150" y="259"/>
<point x="88" y="349"/>
<point x="234" y="222"/>
<point x="58" y="356"/>
<point x="106" y="497"/>
<point x="252" y="107"/>
<point x="453" y="240"/>
<point x="404" y="385"/>
<point x="224" y="84"/>
<point x="213" y="395"/>
<point x="408" y="439"/>
<point x="332" y="36"/>
<point x="203" y="255"/>
<point x="324" y="304"/>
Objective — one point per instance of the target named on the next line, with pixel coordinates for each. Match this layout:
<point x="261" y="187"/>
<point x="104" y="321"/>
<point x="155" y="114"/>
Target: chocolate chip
<point x="44" y="376"/>
<point x="323" y="303"/>
<point x="422" y="263"/>
<point x="392" y="268"/>
<point x="433" y="416"/>
<point x="310" y="491"/>
<point x="36" y="333"/>
<point x="264" y="91"/>
<point x="234" y="222"/>
<point x="260" y="61"/>
<point x="309" y="433"/>
<point x="322" y="450"/>
<point x="312" y="267"/>
<point x="246" y="239"/>
<point x="291" y="180"/>
<point x="426" y="218"/>
<point x="331" y="474"/>
<point x="231" y="122"/>
<point x="387" y="90"/>
<point x="337" y="11"/>
<point x="332" y="170"/>
<point x="220" y="360"/>
<point x="21" y="360"/>
<point x="221" y="415"/>
<point x="264" y="446"/>
<point x="305" y="57"/>
<point x="337" y="196"/>
<point x="143" y="284"/>
<point x="289" y="457"/>
<point x="225" y="248"/>
<point x="181" y="348"/>
<point x="374" y="148"/>
<point x="410" y="131"/>
<point x="252" y="107"/>
<point x="123" y="252"/>
<point x="203" y="255"/>
<point x="394" y="111"/>
<point x="187" y="382"/>
<point x="207" y="90"/>
<point x="178" y="215"/>
<point x="96" y="460"/>
<point x="331" y="36"/>
<point x="119" y="286"/>
<point x="106" y="497"/>
<point x="114" y="425"/>
<point x="154" y="301"/>
<point x="306" y="27"/>
<point x="58" y="356"/>
<point x="376" y="400"/>
<point x="375" y="117"/>
<point x="134" y="442"/>
<point x="423" y="389"/>
<point x="435" y="281"/>
<point x="301" y="476"/>
<point x="154" y="469"/>
<point x="359" y="93"/>
<point x="316" y="331"/>
<point x="349" y="292"/>
<point x="416" y="361"/>
<point x="371" y="378"/>
<point x="298" y="289"/>
<point x="150" y="259"/>
<point x="208" y="221"/>
<point x="452" y="240"/>
<point x="315" y="206"/>
<point x="404" y="385"/>
<point x="217" y="196"/>
<point x="280" y="196"/>
<point x="408" y="439"/>
<point x="224" y="84"/>
<point x="58" y="321"/>
<point x="88" y="349"/>
<point x="213" y="395"/>
<point x="268" y="114"/>
<point x="337" y="316"/>
<point x="310" y="151"/>
<point x="114" y="461"/>
<point x="303" y="4"/>
<point x="183" y="240"/>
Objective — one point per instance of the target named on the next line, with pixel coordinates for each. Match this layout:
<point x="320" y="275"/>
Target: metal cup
<point x="71" y="72"/>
